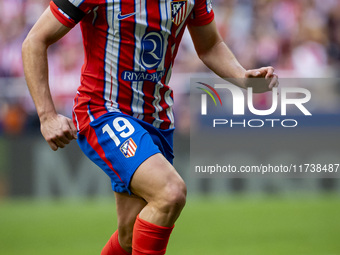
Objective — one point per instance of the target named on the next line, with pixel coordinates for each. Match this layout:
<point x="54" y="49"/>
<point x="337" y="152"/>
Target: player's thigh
<point x="156" y="179"/>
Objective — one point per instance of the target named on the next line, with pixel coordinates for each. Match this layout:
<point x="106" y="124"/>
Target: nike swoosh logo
<point x="121" y="17"/>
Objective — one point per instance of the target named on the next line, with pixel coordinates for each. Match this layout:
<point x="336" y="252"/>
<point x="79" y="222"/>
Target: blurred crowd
<point x="300" y="38"/>
<point x="297" y="37"/>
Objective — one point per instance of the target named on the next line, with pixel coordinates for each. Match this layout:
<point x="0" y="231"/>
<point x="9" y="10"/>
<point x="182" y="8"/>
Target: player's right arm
<point x="56" y="129"/>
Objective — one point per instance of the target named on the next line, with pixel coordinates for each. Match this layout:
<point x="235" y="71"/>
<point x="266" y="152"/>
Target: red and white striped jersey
<point x="130" y="47"/>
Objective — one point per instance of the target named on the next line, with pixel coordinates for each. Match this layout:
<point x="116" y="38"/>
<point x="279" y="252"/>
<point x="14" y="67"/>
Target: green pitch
<point x="237" y="226"/>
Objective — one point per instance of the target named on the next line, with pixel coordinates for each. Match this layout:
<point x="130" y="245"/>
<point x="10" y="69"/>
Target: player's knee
<point x="174" y="196"/>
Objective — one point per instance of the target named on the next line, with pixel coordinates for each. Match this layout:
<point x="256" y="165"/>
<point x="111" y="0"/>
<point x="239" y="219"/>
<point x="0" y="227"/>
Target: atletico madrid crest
<point x="128" y="148"/>
<point x="179" y="10"/>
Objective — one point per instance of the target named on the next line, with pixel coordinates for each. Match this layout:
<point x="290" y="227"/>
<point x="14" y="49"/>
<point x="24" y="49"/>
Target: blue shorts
<point x="119" y="144"/>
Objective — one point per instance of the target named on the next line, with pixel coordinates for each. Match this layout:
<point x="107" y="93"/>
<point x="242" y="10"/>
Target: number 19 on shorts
<point x="122" y="126"/>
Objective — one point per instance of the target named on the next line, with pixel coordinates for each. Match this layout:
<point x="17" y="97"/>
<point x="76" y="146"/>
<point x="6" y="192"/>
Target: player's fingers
<point x="261" y="73"/>
<point x="67" y="134"/>
<point x="52" y="145"/>
<point x="64" y="137"/>
<point x="58" y="141"/>
<point x="274" y="82"/>
<point x="73" y="129"/>
<point x="269" y="72"/>
<point x="253" y="73"/>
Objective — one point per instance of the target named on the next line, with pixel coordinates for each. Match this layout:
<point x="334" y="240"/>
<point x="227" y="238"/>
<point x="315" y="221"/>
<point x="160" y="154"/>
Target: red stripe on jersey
<point x="93" y="70"/>
<point x="179" y="38"/>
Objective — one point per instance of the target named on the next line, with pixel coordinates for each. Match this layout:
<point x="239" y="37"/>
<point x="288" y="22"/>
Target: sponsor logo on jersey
<point x="121" y="17"/>
<point x="152" y="50"/>
<point x="143" y="76"/>
<point x="128" y="148"/>
<point x="179" y="11"/>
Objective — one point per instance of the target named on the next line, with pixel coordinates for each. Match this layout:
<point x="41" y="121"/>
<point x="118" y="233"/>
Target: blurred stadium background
<point x="59" y="202"/>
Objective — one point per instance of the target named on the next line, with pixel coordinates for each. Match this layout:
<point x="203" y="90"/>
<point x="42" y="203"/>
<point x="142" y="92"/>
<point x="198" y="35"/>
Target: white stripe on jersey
<point x="170" y="71"/>
<point x="89" y="112"/>
<point x="168" y="76"/>
<point x="140" y="28"/>
<point x="157" y="122"/>
<point x="111" y="57"/>
<point x="173" y="49"/>
<point x="73" y="110"/>
<point x="169" y="111"/>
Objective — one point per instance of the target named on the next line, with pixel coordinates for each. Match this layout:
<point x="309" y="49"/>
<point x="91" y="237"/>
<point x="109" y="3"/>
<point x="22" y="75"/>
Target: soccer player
<point x="122" y="114"/>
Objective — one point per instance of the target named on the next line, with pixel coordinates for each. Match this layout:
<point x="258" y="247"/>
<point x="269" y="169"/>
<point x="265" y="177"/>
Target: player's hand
<point x="58" y="131"/>
<point x="268" y="79"/>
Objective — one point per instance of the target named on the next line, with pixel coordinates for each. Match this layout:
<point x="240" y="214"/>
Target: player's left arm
<point x="216" y="55"/>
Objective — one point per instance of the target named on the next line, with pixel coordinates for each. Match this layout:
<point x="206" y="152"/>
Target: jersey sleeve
<point x="69" y="13"/>
<point x="202" y="13"/>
